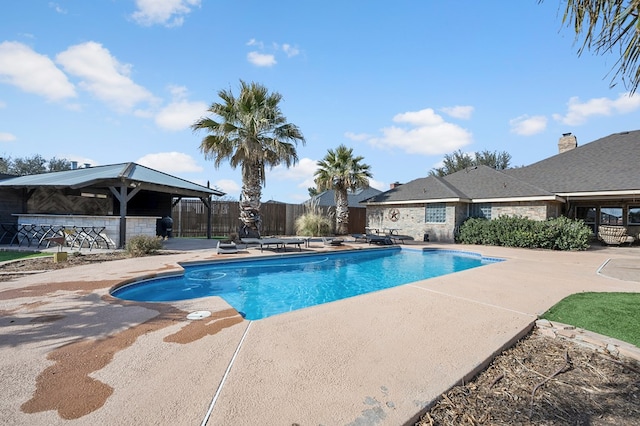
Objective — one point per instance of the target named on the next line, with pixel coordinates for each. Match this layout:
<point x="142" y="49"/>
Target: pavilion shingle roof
<point x="109" y="175"/>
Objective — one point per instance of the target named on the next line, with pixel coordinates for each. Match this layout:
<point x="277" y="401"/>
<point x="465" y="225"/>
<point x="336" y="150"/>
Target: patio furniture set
<point x="614" y="235"/>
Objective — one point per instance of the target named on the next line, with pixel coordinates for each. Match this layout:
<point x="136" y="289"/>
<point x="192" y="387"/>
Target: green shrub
<point x="473" y="231"/>
<point x="572" y="235"/>
<point x="516" y="231"/>
<point x="313" y="224"/>
<point x="143" y="245"/>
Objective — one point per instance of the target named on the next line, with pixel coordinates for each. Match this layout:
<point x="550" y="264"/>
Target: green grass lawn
<point x="15" y="255"/>
<point x="615" y="315"/>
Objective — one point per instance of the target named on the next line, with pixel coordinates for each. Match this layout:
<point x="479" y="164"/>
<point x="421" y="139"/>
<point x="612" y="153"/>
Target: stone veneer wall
<point x="531" y="210"/>
<point x="411" y="221"/>
<point x="412" y="216"/>
<point x="136" y="225"/>
<point x="141" y="225"/>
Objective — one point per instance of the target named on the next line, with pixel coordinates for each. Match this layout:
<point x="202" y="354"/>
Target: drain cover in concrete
<point x="198" y="315"/>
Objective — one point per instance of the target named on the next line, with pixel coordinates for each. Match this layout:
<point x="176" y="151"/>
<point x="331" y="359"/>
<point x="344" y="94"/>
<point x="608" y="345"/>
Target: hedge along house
<point x="121" y="199"/>
<point x="598" y="182"/>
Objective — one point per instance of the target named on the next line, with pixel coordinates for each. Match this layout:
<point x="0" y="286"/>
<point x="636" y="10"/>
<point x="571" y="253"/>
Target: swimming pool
<point x="259" y="288"/>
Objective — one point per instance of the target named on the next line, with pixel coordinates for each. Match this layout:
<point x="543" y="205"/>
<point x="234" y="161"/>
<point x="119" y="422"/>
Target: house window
<point x="588" y="216"/>
<point x="611" y="216"/>
<point x="436" y="213"/>
<point x="634" y="215"/>
<point x="480" y="210"/>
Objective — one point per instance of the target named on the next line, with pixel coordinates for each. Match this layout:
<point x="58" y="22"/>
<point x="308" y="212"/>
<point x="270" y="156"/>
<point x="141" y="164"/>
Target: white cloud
<point x="302" y="173"/>
<point x="170" y="162"/>
<point x="103" y="76"/>
<point x="459" y="111"/>
<point x="527" y="126"/>
<point x="178" y="92"/>
<point x="57" y="8"/>
<point x="254" y="42"/>
<point x="180" y="115"/>
<point x="228" y="186"/>
<point x="261" y="59"/>
<point x="290" y="50"/>
<point x="169" y="13"/>
<point x="32" y="72"/>
<point x="382" y="186"/>
<point x="357" y="137"/>
<point x="7" y="137"/>
<point x="3" y="104"/>
<point x="427" y="133"/>
<point x="578" y="112"/>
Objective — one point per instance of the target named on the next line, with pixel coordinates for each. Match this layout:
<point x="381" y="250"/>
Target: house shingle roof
<point x="480" y="182"/>
<point x="611" y="163"/>
<point x="327" y="198"/>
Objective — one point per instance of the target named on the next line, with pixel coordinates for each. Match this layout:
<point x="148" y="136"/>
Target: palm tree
<point x="341" y="171"/>
<point x="249" y="131"/>
<point x="606" y="25"/>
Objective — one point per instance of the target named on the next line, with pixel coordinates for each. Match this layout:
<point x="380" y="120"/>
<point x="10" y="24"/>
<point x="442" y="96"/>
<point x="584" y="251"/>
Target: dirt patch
<point x="545" y="381"/>
<point x="19" y="268"/>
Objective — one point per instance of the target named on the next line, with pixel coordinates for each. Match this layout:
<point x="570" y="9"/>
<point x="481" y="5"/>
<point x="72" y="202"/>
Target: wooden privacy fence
<point x="190" y="218"/>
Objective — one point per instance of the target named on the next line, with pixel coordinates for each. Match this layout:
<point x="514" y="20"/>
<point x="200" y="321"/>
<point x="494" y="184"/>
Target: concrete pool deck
<point x="72" y="354"/>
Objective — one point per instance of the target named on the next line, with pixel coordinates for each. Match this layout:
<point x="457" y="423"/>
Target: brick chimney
<point x="567" y="142"/>
<point x="394" y="185"/>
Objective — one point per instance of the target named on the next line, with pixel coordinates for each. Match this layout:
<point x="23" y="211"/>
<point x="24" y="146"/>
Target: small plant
<point x="313" y="222"/>
<point x="143" y="245"/>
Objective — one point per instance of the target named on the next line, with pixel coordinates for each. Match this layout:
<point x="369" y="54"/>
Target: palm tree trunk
<point x="342" y="212"/>
<point x="250" y="200"/>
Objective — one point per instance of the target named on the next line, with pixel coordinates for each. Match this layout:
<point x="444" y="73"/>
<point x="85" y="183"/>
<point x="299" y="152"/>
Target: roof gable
<point x="427" y="188"/>
<point x="327" y="198"/>
<point x="474" y="183"/>
<point x="483" y="182"/>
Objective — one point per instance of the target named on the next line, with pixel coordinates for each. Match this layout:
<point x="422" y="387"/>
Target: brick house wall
<point x="533" y="210"/>
<point x="411" y="221"/>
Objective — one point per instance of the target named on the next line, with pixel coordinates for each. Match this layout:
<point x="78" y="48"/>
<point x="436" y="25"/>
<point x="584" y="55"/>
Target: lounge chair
<point x="294" y="242"/>
<point x="383" y="240"/>
<point x="614" y="235"/>
<point x="332" y="242"/>
<point x="362" y="238"/>
<point x="226" y="247"/>
<point x="263" y="242"/>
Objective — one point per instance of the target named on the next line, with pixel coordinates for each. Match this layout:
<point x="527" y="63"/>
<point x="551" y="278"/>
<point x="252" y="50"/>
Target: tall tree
<point x="606" y="25"/>
<point x="341" y="171"/>
<point x="313" y="191"/>
<point x="459" y="160"/>
<point x="249" y="131"/>
<point x="28" y="165"/>
<point x="5" y="164"/>
<point x="496" y="160"/>
<point x="59" y="164"/>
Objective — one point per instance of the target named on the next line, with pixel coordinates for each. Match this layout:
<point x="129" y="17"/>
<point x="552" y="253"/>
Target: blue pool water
<point x="260" y="288"/>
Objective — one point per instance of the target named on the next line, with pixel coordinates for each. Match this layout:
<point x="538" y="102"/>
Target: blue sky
<point x="402" y="83"/>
